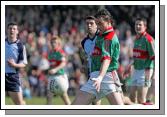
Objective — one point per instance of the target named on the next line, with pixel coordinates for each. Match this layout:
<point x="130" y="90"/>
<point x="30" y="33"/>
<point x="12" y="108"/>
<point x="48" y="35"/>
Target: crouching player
<point x="57" y="82"/>
<point x="104" y="81"/>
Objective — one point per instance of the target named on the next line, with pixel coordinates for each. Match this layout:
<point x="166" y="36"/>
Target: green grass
<point x="42" y="101"/>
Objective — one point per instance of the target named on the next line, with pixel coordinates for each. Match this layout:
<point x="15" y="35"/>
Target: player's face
<point x="140" y="27"/>
<point x="54" y="44"/>
<point x="101" y="24"/>
<point x="91" y="26"/>
<point x="12" y="31"/>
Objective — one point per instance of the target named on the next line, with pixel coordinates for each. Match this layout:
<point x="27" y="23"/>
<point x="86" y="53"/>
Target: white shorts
<point x="138" y="77"/>
<point x="109" y="84"/>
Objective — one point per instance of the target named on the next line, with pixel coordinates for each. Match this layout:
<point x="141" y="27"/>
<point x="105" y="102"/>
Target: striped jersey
<point x="143" y="51"/>
<point x="55" y="58"/>
<point x="106" y="47"/>
<point x="14" y="50"/>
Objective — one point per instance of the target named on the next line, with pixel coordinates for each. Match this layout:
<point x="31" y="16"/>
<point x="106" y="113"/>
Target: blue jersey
<point x="88" y="45"/>
<point x="15" y="50"/>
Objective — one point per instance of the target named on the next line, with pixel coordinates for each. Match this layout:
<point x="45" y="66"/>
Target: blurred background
<point x="38" y="23"/>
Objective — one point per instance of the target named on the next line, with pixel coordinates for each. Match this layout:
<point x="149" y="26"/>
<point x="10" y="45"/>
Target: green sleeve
<point x="151" y="48"/>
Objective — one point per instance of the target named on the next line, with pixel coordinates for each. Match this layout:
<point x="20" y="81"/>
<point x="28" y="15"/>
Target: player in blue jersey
<point x="88" y="44"/>
<point x="15" y="58"/>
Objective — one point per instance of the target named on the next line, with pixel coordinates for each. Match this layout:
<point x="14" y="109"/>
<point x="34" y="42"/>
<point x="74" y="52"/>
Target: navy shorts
<point x="12" y="82"/>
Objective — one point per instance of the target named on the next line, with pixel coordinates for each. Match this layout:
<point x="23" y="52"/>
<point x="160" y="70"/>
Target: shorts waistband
<point x="97" y="72"/>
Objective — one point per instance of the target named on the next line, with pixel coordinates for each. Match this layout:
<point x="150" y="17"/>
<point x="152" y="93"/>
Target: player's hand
<point x="147" y="78"/>
<point x="129" y="69"/>
<point x="147" y="83"/>
<point x="127" y="72"/>
<point x="125" y="75"/>
<point x="83" y="69"/>
<point x="11" y="62"/>
<point x="97" y="82"/>
<point x="52" y="71"/>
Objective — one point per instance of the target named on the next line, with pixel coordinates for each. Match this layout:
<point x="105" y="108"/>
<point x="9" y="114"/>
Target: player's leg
<point x="137" y="77"/>
<point x="96" y="102"/>
<point x="133" y="94"/>
<point x="87" y="92"/>
<point x="83" y="98"/>
<point x="151" y="92"/>
<point x="13" y="88"/>
<point x="66" y="98"/>
<point x="115" y="98"/>
<point x="126" y="99"/>
<point x="17" y="97"/>
<point x="142" y="92"/>
<point x="144" y="84"/>
<point x="49" y="97"/>
<point x="111" y="87"/>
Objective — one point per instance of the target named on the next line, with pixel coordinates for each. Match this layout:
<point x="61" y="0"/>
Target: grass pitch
<point x="42" y="101"/>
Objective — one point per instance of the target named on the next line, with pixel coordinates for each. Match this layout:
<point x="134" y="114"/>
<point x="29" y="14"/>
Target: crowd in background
<point x="37" y="25"/>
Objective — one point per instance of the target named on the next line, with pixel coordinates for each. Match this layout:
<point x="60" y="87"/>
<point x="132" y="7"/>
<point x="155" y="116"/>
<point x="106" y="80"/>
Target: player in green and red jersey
<point x="57" y="63"/>
<point x="103" y="81"/>
<point x="143" y="54"/>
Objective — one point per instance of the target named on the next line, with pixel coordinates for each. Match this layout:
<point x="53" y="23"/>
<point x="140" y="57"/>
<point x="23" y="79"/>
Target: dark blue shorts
<point x="12" y="82"/>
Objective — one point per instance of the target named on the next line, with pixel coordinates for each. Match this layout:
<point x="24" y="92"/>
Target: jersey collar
<point x="97" y="31"/>
<point x="138" y="36"/>
<point x="110" y="29"/>
<point x="7" y="39"/>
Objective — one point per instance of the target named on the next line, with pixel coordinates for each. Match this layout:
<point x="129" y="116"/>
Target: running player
<point x="57" y="63"/>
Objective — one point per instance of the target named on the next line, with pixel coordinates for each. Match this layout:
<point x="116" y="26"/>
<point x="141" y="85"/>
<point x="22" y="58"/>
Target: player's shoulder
<point x="62" y="52"/>
<point x="109" y="35"/>
<point x="84" y="40"/>
<point x="149" y="38"/>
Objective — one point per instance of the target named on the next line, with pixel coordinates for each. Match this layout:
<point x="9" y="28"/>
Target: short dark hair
<point x="105" y="14"/>
<point x="12" y="24"/>
<point x="90" y="17"/>
<point x="141" y="19"/>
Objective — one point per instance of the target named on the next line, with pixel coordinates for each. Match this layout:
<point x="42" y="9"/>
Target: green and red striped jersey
<point x="106" y="47"/>
<point x="143" y="52"/>
<point x="55" y="58"/>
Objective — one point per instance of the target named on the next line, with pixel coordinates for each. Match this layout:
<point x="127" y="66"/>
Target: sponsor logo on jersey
<point x="96" y="51"/>
<point x="140" y="54"/>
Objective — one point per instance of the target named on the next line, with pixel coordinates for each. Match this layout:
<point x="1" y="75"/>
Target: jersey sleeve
<point x="151" y="48"/>
<point x="83" y="42"/>
<point x="62" y="56"/>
